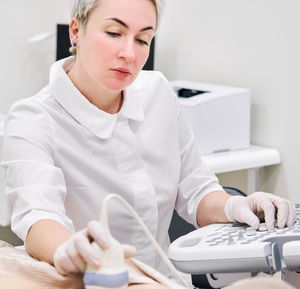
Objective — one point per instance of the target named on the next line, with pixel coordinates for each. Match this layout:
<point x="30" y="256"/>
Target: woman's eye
<point x="113" y="34"/>
<point x="142" y="42"/>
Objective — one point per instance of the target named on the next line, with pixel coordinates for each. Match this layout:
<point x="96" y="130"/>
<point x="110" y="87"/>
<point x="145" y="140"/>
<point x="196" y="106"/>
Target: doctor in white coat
<point x="103" y="126"/>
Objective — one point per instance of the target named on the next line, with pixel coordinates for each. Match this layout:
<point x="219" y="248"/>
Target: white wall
<point x="24" y="67"/>
<point x="246" y="43"/>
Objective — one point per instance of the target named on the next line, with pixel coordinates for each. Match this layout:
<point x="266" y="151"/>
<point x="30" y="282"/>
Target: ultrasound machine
<point x="230" y="252"/>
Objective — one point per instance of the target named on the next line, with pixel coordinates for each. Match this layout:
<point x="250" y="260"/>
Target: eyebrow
<point x="126" y="26"/>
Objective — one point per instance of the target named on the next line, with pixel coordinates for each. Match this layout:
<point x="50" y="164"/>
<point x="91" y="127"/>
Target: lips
<point x="125" y="70"/>
<point x="121" y="72"/>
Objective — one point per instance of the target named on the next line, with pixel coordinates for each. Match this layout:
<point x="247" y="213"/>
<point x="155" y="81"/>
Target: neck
<point x="104" y="99"/>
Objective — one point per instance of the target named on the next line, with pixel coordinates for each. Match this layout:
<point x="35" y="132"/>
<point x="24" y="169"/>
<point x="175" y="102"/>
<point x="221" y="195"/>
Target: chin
<point x="118" y="85"/>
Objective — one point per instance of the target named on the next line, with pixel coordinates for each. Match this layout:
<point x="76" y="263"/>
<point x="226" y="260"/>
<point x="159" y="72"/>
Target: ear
<point x="74" y="30"/>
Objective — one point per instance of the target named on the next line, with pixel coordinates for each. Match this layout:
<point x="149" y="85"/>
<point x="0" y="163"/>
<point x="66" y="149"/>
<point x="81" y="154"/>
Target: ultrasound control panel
<point x="232" y="248"/>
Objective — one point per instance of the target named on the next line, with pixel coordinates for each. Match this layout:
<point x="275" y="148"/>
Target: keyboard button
<point x="230" y="241"/>
<point x="250" y="231"/>
<point x="241" y="236"/>
<point x="262" y="227"/>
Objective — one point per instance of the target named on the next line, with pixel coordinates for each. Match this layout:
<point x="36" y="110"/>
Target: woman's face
<point x="115" y="44"/>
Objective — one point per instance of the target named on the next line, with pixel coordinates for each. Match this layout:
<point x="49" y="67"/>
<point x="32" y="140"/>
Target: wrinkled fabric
<point x="16" y="262"/>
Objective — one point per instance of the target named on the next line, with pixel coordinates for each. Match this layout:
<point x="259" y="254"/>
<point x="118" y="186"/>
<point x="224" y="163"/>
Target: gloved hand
<point x="72" y="256"/>
<point x="252" y="208"/>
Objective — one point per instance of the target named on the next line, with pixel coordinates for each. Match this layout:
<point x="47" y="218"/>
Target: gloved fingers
<point x="75" y="257"/>
<point x="238" y="208"/>
<point x="283" y="212"/>
<point x="62" y="262"/>
<point x="66" y="267"/>
<point x="85" y="252"/>
<point x="97" y="232"/>
<point x="247" y="216"/>
<point x="129" y="251"/>
<point x="286" y="214"/>
<point x="292" y="216"/>
<point x="266" y="205"/>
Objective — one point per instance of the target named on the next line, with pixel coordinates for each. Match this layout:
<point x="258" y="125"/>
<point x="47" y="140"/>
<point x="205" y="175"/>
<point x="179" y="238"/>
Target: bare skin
<point x="211" y="209"/>
<point x="44" y="238"/>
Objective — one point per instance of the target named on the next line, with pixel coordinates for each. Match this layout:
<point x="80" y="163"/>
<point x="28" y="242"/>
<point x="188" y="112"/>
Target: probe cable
<point x="104" y="221"/>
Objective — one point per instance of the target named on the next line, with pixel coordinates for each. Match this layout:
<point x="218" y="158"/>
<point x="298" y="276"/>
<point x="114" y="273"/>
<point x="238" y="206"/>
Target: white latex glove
<point x="250" y="209"/>
<point x="72" y="256"/>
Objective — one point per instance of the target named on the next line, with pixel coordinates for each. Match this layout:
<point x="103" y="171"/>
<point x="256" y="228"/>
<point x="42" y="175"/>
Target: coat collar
<point x="97" y="121"/>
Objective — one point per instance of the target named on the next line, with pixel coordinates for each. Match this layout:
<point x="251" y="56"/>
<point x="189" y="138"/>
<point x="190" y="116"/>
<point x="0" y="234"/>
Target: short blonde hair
<point x="81" y="9"/>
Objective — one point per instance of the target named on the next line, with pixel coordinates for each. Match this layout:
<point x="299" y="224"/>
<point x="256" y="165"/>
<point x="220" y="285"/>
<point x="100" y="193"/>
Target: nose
<point x="127" y="51"/>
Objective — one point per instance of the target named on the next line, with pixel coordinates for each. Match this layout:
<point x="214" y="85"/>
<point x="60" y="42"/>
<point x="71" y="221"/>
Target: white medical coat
<point x="63" y="155"/>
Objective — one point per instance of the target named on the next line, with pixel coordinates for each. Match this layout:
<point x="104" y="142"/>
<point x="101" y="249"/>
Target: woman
<point x="101" y="126"/>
